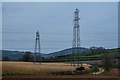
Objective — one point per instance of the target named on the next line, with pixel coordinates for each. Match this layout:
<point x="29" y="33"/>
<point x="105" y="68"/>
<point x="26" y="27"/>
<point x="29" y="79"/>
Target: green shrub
<point x="95" y="68"/>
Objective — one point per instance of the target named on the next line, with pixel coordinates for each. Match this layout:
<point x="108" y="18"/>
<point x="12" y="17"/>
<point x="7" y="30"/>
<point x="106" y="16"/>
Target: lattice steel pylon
<point x="37" y="56"/>
<point x="76" y="35"/>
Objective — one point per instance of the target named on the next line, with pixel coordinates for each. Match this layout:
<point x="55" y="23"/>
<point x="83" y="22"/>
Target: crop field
<point x="30" y="68"/>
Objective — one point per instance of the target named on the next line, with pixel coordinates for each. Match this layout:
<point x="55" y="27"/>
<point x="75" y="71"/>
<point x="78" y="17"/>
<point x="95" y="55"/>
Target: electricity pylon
<point x="37" y="56"/>
<point x="76" y="35"/>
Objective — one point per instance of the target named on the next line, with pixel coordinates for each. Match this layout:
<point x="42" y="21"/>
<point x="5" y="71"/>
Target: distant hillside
<point x="67" y="51"/>
<point x="15" y="55"/>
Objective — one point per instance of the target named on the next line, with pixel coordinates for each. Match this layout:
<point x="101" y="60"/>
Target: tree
<point x="107" y="61"/>
<point x="27" y="56"/>
<point x="6" y="58"/>
<point x="100" y="50"/>
<point x="97" y="50"/>
<point x="92" y="49"/>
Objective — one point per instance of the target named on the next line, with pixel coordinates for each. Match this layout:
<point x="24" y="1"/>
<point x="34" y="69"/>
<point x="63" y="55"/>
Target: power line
<point x="57" y="41"/>
<point x="59" y="33"/>
<point x="32" y="47"/>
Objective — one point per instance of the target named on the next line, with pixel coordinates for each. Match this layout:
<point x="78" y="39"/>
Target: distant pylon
<point x="37" y="51"/>
<point x="76" y="35"/>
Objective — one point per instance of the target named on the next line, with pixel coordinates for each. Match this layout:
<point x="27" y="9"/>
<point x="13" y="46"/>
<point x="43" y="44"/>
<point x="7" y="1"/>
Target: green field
<point x="114" y="52"/>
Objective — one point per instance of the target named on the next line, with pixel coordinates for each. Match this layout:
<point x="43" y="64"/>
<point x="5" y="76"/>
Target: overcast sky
<point x="54" y="21"/>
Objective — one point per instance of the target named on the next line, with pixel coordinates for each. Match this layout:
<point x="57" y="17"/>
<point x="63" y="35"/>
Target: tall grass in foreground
<point x="30" y="68"/>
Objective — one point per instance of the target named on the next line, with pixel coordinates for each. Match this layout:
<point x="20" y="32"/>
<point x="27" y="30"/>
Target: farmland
<point x="41" y="69"/>
<point x="28" y="70"/>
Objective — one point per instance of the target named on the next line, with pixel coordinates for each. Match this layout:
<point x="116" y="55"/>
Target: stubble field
<point x="30" y="68"/>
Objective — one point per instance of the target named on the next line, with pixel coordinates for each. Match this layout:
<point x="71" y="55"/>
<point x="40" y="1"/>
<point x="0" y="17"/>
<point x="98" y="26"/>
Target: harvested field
<point x="113" y="72"/>
<point x="41" y="69"/>
<point x="65" y="77"/>
<point x="38" y="72"/>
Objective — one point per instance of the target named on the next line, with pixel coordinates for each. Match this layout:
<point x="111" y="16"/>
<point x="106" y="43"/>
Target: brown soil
<point x="115" y="72"/>
<point x="65" y="76"/>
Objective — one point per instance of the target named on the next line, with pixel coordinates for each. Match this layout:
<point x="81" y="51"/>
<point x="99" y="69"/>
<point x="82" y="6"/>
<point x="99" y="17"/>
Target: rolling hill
<point x="67" y="51"/>
<point x="15" y="55"/>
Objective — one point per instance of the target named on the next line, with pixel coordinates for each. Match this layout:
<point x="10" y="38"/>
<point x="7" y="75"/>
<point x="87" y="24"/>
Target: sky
<point x="54" y="21"/>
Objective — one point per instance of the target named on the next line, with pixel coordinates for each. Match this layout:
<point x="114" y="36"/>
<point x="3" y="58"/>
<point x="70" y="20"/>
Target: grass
<point x="112" y="51"/>
<point x="86" y="58"/>
<point x="5" y="74"/>
<point x="92" y="56"/>
<point x="115" y="51"/>
<point x="118" y="54"/>
<point x="72" y="73"/>
<point x="29" y="67"/>
<point x="99" y="55"/>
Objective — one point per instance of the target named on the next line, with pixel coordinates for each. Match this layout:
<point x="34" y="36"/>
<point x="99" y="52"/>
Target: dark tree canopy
<point x="107" y="61"/>
<point x="6" y="58"/>
<point x="27" y="56"/>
